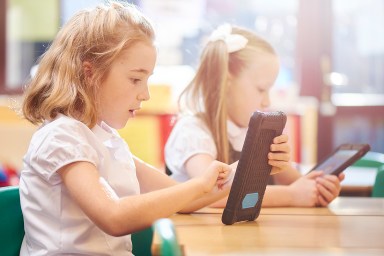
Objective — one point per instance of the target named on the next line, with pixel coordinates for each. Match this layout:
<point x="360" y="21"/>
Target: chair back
<point x="374" y="160"/>
<point x="371" y="159"/>
<point x="142" y="242"/>
<point x="166" y="233"/>
<point x="11" y="221"/>
<point x="378" y="187"/>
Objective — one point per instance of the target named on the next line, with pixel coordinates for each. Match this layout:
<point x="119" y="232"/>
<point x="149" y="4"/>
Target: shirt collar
<point x="105" y="133"/>
<point x="236" y="135"/>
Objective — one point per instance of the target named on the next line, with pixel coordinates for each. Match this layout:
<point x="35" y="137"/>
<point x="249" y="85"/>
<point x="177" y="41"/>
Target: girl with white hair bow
<point x="236" y="72"/>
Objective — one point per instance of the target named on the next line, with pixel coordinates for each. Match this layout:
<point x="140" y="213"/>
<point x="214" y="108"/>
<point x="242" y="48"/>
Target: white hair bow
<point x="234" y="42"/>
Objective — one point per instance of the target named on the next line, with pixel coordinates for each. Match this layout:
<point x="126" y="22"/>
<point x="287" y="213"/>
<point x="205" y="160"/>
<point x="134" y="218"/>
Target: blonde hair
<point x="206" y="94"/>
<point x="98" y="36"/>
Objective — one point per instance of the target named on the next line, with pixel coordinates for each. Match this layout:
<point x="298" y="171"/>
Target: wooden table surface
<point x="349" y="226"/>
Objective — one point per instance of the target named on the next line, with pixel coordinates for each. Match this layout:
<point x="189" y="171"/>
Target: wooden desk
<point x="349" y="226"/>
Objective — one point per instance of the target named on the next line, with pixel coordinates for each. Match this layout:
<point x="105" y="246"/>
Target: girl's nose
<point x="266" y="101"/>
<point x="144" y="95"/>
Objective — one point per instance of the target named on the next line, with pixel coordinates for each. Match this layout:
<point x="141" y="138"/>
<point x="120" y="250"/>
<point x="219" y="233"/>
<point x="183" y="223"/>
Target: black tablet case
<point x="253" y="170"/>
<point x="338" y="164"/>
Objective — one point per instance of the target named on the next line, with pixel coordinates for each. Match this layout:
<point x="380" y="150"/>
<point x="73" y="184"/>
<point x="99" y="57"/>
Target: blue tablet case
<point x="253" y="170"/>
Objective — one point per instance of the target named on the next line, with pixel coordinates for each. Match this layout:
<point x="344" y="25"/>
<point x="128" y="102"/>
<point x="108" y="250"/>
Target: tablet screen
<point x="337" y="160"/>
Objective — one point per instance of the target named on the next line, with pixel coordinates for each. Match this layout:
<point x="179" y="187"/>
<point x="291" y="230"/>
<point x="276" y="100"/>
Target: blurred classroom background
<point x="331" y="82"/>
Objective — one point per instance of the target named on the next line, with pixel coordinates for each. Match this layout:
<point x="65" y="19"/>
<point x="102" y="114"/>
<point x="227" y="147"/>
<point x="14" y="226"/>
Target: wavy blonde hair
<point x="206" y="94"/>
<point x="98" y="36"/>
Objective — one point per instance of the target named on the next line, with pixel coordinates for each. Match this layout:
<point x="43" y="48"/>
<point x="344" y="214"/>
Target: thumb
<point x="227" y="182"/>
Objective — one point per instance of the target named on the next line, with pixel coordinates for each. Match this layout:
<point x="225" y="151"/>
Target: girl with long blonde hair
<point x="82" y="191"/>
<point x="236" y="72"/>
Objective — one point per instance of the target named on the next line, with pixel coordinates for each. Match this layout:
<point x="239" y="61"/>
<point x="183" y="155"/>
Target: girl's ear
<point x="87" y="69"/>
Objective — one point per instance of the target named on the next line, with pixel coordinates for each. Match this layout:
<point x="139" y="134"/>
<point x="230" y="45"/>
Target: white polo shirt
<point x="190" y="136"/>
<point x="53" y="222"/>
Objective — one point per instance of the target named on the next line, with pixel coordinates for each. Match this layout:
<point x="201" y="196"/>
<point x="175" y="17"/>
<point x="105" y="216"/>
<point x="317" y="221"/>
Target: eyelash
<point x="135" y="80"/>
<point x="261" y="90"/>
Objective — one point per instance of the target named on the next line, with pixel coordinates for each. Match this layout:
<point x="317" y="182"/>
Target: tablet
<point x="344" y="156"/>
<point x="253" y="170"/>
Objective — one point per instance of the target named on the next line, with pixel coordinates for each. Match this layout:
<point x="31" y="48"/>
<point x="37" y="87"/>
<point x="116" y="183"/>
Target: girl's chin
<point x="241" y="123"/>
<point x="117" y="124"/>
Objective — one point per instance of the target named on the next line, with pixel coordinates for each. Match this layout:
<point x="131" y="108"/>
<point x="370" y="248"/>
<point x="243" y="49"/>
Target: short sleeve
<point x="59" y="145"/>
<point x="188" y="137"/>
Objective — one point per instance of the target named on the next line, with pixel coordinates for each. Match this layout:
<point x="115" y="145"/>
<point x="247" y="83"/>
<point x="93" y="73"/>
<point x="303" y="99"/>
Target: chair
<point x="165" y="231"/>
<point x="378" y="187"/>
<point x="374" y="160"/>
<point x="11" y="221"/>
<point x="371" y="159"/>
<point x="142" y="242"/>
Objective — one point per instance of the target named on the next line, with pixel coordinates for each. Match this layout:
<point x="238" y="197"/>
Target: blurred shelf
<point x="357" y="100"/>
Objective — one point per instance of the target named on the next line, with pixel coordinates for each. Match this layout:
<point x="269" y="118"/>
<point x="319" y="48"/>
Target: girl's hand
<point x="218" y="174"/>
<point x="279" y="156"/>
<point x="304" y="192"/>
<point x="329" y="188"/>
